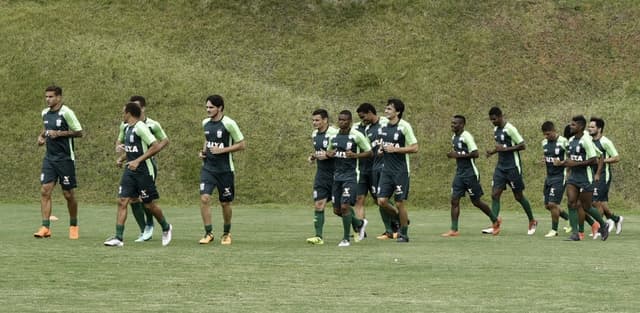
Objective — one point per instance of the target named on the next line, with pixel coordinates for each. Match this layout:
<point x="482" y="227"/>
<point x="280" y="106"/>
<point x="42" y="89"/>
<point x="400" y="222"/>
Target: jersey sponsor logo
<point x="341" y="154"/>
<point x="549" y="159"/>
<point x="133" y="149"/>
<point x="211" y="144"/>
<point x="577" y="158"/>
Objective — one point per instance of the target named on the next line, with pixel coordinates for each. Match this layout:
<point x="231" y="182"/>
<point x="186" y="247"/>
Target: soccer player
<point x="609" y="156"/>
<point x="222" y="138"/>
<point x="508" y="169"/>
<point x="143" y="216"/>
<point x="325" y="167"/>
<point x="138" y="178"/>
<point x="554" y="147"/>
<point x="397" y="141"/>
<point x="368" y="115"/>
<point x="467" y="178"/>
<point x="60" y="128"/>
<point x="581" y="154"/>
<point x="347" y="148"/>
<point x="365" y="184"/>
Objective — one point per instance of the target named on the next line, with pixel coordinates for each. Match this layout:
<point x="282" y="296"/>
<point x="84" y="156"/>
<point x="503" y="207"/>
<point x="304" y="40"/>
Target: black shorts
<point x="396" y="184"/>
<point x="224" y="182"/>
<point x="62" y="171"/>
<point x="138" y="185"/>
<point x="511" y="177"/>
<point x="322" y="186"/>
<point x="553" y="190"/>
<point x="344" y="192"/>
<point x="601" y="191"/>
<point x="462" y="185"/>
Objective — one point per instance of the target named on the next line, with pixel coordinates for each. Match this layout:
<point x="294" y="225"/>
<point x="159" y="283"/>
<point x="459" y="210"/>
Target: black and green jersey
<point x="60" y="148"/>
<point x="222" y="133"/>
<point x="399" y="135"/>
<point x="373" y="132"/>
<point x="508" y="136"/>
<point x="347" y="168"/>
<point x="321" y="144"/>
<point x="580" y="150"/>
<point x="154" y="127"/>
<point x="137" y="140"/>
<point x="605" y="145"/>
<point x="464" y="144"/>
<point x="555" y="150"/>
<point x="364" y="164"/>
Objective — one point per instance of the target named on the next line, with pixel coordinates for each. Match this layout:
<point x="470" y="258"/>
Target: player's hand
<point x="119" y="163"/>
<point x="133" y="165"/>
<point x="452" y="155"/>
<point x="202" y="155"/>
<point x="500" y="148"/>
<point x="120" y="148"/>
<point x="351" y="155"/>
<point x="216" y="150"/>
<point x="41" y="140"/>
<point x="489" y="153"/>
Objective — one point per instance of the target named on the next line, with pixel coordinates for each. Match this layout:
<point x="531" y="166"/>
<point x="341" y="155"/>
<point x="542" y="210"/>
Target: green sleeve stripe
<point x="71" y="119"/>
<point x="409" y="136"/>
<point x="233" y="129"/>
<point x="516" y="138"/>
<point x="468" y="139"/>
<point x="361" y="140"/>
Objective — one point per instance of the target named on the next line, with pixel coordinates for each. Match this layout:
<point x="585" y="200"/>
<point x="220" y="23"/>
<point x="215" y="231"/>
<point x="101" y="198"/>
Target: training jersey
<point x="137" y="140"/>
<point x="347" y="168"/>
<point x="60" y="148"/>
<point x="373" y="132"/>
<point x="508" y="136"/>
<point x="154" y="127"/>
<point x="605" y="145"/>
<point x="320" y="144"/>
<point x="581" y="149"/>
<point x="222" y="133"/>
<point x="464" y="144"/>
<point x="364" y="164"/>
<point x="555" y="150"/>
<point x="399" y="135"/>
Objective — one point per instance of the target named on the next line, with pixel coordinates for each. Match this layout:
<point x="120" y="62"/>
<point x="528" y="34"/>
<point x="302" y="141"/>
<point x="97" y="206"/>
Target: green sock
<point x="226" y="228"/>
<point x="596" y="215"/>
<point x="208" y="229"/>
<point x="495" y="207"/>
<point x="73" y="221"/>
<point x="120" y="232"/>
<point x="588" y="219"/>
<point x="404" y="230"/>
<point x="564" y="215"/>
<point x="346" y="225"/>
<point x="355" y="222"/>
<point x="454" y="225"/>
<point x="573" y="220"/>
<point x="149" y="216"/>
<point x="46" y="223"/>
<point x="137" y="209"/>
<point x="615" y="218"/>
<point x="164" y="224"/>
<point x="386" y="220"/>
<point x="554" y="226"/>
<point x="580" y="227"/>
<point x="527" y="207"/>
<point x="318" y="222"/>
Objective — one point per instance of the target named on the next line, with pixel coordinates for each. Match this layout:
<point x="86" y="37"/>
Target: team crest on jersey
<point x="58" y="122"/>
<point x="578" y="149"/>
<point x="349" y="145"/>
<point x="132" y="138"/>
<point x="219" y="134"/>
<point x="396" y="136"/>
<point x="325" y="143"/>
<point x="557" y="150"/>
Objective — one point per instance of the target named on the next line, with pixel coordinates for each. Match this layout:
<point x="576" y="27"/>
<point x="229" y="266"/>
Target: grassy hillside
<point x="276" y="61"/>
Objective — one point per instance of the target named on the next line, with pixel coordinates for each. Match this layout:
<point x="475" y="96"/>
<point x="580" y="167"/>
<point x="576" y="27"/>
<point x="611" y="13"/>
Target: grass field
<point x="269" y="267"/>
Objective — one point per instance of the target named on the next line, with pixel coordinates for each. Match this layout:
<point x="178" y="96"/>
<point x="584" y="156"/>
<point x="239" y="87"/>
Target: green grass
<point x="269" y="267"/>
<point x="276" y="61"/>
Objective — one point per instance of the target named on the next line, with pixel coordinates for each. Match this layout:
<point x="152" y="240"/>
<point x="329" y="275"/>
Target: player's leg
<point x="572" y="199"/>
<point x="498" y="185"/>
<point x="226" y="195"/>
<point x="67" y="173"/>
<point x="48" y="178"/>
<point x="207" y="184"/>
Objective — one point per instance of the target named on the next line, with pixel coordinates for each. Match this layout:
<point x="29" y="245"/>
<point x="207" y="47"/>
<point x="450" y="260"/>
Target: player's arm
<point x="41" y="137"/>
<point x="614" y="157"/>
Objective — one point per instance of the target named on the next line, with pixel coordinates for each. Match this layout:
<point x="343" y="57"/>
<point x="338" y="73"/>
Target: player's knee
<point x="205" y="199"/>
